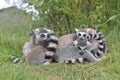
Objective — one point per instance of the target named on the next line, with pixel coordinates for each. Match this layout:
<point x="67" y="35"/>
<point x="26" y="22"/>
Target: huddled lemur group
<point x="85" y="44"/>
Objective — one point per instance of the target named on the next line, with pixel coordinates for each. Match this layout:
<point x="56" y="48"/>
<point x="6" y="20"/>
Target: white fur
<point x="46" y="63"/>
<point x="52" y="45"/>
<point x="75" y="42"/>
<point x="76" y="30"/>
<point x="15" y="60"/>
<point x="53" y="37"/>
<point x="88" y="30"/>
<point x="80" y="60"/>
<point x="83" y="47"/>
<point x="49" y="31"/>
<point x="88" y="43"/>
<point x="99" y="32"/>
<point x="66" y="61"/>
<point x="27" y="48"/>
<point x="50" y="53"/>
<point x="101" y="46"/>
<point x="100" y="51"/>
<point x="100" y="41"/>
<point x="97" y="37"/>
<point x="73" y="60"/>
<point x="36" y="31"/>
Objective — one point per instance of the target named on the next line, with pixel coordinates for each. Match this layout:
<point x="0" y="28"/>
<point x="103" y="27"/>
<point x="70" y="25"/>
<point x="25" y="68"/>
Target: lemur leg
<point x="93" y="46"/>
<point x="27" y="48"/>
<point x="80" y="60"/>
<point x="88" y="55"/>
<point x="48" y="58"/>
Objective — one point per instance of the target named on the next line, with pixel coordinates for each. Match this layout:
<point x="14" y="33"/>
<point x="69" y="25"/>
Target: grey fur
<point x="81" y="44"/>
<point x="93" y="34"/>
<point x="28" y="46"/>
<point x="38" y="60"/>
<point x="70" y="53"/>
<point x="44" y="37"/>
<point x="66" y="54"/>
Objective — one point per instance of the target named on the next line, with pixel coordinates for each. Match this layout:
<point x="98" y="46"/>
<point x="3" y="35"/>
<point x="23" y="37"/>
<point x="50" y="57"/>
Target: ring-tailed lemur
<point x="68" y="53"/>
<point x="90" y="34"/>
<point x="44" y="37"/>
<point x="92" y="38"/>
<point x="85" y="47"/>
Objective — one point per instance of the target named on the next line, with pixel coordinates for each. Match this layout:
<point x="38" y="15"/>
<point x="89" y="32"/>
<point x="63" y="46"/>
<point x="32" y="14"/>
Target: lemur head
<point x="41" y="34"/>
<point x="81" y="44"/>
<point x="82" y="34"/>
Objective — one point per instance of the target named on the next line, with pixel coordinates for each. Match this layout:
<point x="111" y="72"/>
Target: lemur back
<point x="36" y="56"/>
<point x="66" y="40"/>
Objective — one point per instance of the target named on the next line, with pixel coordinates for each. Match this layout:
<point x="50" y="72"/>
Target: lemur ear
<point x="37" y="30"/>
<point x="49" y="31"/>
<point x="76" y="30"/>
<point x="88" y="30"/>
<point x="31" y="33"/>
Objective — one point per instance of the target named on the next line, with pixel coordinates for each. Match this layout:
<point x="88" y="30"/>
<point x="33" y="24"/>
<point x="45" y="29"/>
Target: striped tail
<point x="15" y="59"/>
<point x="101" y="43"/>
<point x="52" y="43"/>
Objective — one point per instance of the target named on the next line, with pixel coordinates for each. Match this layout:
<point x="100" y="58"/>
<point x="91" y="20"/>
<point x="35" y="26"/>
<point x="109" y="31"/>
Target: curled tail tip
<point x="15" y="59"/>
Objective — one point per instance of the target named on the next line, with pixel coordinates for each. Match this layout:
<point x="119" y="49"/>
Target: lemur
<point x="67" y="51"/>
<point x="44" y="37"/>
<point x="85" y="47"/>
<point x="71" y="54"/>
<point x="65" y="43"/>
<point x="90" y="35"/>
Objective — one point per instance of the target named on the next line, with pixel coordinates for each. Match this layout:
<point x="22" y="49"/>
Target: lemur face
<point x="41" y="33"/>
<point x="80" y="44"/>
<point x="82" y="34"/>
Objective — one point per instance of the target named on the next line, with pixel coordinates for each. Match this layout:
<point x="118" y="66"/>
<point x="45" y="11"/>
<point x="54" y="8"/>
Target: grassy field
<point x="13" y="37"/>
<point x="12" y="40"/>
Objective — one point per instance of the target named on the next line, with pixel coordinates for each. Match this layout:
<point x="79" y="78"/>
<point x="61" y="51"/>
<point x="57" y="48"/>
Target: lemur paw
<point x="46" y="63"/>
<point x="70" y="61"/>
<point x="80" y="60"/>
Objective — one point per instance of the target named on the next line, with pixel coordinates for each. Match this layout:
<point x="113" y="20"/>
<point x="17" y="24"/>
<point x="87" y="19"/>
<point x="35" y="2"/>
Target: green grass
<point x="12" y="42"/>
<point x="13" y="36"/>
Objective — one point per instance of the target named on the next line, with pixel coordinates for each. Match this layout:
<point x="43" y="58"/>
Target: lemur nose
<point x="81" y="53"/>
<point x="81" y="39"/>
<point x="42" y="35"/>
<point x="79" y="48"/>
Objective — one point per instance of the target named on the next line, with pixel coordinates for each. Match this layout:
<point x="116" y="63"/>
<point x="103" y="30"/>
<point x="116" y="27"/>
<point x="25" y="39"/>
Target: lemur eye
<point x="88" y="37"/>
<point x="42" y="35"/>
<point x="84" y="35"/>
<point x="79" y="48"/>
<point x="79" y="34"/>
